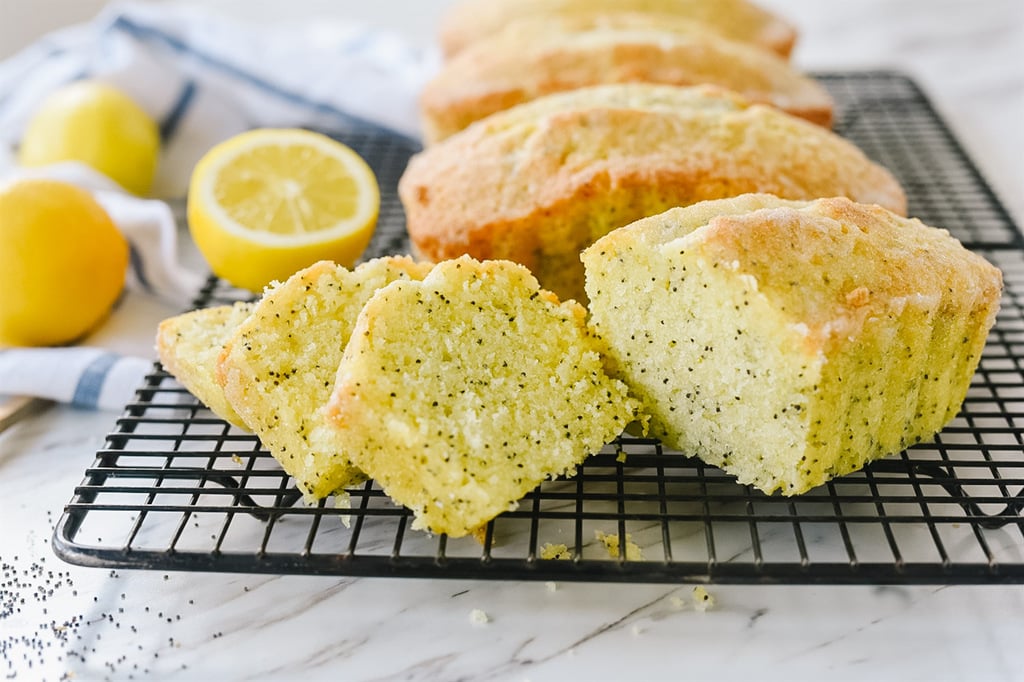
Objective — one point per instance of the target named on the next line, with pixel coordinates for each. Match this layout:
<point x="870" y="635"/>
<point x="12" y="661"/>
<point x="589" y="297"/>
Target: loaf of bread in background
<point x="462" y="392"/>
<point x="277" y="369"/>
<point x="791" y="342"/>
<point x="472" y="21"/>
<point x="539" y="56"/>
<point x="539" y="182"/>
<point x="188" y="346"/>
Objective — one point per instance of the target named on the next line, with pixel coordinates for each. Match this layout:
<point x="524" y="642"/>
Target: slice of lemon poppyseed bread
<point x="462" y="392"/>
<point x="277" y="370"/>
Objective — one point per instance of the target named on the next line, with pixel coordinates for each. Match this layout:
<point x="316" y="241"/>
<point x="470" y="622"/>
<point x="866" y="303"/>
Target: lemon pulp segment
<point x="287" y="190"/>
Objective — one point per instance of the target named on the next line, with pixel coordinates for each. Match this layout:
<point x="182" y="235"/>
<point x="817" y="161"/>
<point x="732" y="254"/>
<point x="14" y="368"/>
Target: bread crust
<point x="536" y="57"/>
<point x="538" y="182"/>
<point x="471" y="21"/>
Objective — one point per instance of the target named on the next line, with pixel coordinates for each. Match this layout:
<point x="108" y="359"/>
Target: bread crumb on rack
<point x="611" y="543"/>
<point x="702" y="601"/>
<point x="342" y="500"/>
<point x="553" y="551"/>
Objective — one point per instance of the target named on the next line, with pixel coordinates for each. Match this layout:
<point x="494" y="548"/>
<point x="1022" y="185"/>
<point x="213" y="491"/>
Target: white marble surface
<point x="145" y="625"/>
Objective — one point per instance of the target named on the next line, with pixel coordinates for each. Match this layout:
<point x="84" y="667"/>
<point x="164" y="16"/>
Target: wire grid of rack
<point x="176" y="488"/>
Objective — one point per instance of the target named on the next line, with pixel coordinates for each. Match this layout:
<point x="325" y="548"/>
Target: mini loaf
<point x="277" y="369"/>
<point x="188" y="346"/>
<point x="476" y="21"/>
<point x="790" y="342"/>
<point x="461" y="393"/>
<point x="536" y="57"/>
<point x="539" y="182"/>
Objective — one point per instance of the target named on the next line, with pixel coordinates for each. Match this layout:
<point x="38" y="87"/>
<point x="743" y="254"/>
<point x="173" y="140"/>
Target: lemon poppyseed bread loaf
<point x="539" y="182"/>
<point x="790" y="342"/>
<point x="472" y="21"/>
<point x="188" y="346"/>
<point x="532" y="58"/>
<point x="462" y="392"/>
<point x="278" y="368"/>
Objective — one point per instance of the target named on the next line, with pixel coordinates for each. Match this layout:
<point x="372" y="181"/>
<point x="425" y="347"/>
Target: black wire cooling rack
<point x="176" y="488"/>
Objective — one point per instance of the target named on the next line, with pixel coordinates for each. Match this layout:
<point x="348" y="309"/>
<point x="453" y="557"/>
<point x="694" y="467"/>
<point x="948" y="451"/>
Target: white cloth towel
<point x="102" y="379"/>
<point x="203" y="78"/>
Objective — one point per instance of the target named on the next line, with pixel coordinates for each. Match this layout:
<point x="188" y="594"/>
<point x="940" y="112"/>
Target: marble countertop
<point x="60" y="621"/>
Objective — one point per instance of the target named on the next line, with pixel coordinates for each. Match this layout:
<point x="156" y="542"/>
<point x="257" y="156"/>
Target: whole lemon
<point x="100" y="126"/>
<point x="62" y="263"/>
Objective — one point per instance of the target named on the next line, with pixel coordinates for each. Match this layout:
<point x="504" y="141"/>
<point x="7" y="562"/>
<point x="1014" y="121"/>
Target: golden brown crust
<point x="901" y="257"/>
<point x="474" y="20"/>
<point x="536" y="57"/>
<point x="539" y="182"/>
<point x="848" y="243"/>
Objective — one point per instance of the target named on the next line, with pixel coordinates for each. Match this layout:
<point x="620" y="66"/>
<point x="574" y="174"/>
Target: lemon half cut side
<point x="269" y="202"/>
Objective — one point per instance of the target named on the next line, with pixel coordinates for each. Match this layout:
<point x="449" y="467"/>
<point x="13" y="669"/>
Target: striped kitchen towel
<point x="203" y="78"/>
<point x="101" y="379"/>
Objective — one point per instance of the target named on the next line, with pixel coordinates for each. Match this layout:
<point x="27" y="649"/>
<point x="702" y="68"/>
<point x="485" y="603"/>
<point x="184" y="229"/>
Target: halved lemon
<point x="269" y="202"/>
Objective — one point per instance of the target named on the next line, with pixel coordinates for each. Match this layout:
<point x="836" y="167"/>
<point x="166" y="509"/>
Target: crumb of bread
<point x="553" y="551"/>
<point x="621" y="456"/>
<point x="678" y="602"/>
<point x="237" y="460"/>
<point x="479" y="617"/>
<point x="551" y="585"/>
<point x="611" y="543"/>
<point x="637" y="630"/>
<point x="342" y="500"/>
<point x="702" y="601"/>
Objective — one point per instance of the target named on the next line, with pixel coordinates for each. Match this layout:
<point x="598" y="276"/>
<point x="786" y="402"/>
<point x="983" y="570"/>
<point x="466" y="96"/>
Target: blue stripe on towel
<point x="173" y="118"/>
<point x="87" y="392"/>
<point x="147" y="33"/>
